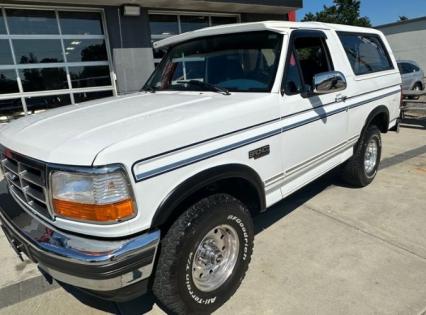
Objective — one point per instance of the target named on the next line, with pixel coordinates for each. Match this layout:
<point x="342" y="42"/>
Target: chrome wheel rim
<point x="370" y="158"/>
<point x="215" y="258"/>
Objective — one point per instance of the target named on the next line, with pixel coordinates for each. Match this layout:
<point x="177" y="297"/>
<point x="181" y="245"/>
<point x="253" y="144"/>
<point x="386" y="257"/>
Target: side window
<point x="366" y="53"/>
<point x="308" y="57"/>
<point x="415" y="68"/>
<point x="408" y="68"/>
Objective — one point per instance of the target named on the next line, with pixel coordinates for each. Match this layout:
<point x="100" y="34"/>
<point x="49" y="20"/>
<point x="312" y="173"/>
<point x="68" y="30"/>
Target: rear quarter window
<point x="366" y="52"/>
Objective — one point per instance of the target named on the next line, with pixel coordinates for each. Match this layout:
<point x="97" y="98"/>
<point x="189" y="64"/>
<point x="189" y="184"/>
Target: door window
<point x="309" y="56"/>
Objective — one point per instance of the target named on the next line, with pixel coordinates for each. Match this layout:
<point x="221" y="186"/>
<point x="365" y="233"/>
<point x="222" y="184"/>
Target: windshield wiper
<point x="209" y="86"/>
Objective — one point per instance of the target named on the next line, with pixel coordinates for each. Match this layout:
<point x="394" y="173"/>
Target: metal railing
<point x="413" y="101"/>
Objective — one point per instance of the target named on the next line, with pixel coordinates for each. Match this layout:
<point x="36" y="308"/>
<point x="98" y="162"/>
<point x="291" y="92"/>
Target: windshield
<point x="242" y="62"/>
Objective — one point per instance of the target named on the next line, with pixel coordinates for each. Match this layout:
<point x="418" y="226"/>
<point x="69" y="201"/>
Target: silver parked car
<point x="412" y="75"/>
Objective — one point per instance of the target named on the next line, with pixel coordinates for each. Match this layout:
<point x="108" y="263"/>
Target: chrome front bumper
<point x="93" y="264"/>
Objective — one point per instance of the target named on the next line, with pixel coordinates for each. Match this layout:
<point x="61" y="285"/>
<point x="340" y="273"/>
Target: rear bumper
<point x="93" y="264"/>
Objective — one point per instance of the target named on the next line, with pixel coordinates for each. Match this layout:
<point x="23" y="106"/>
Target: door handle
<point x="341" y="98"/>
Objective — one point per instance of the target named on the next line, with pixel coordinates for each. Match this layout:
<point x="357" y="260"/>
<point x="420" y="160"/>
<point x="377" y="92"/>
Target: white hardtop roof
<point x="282" y="27"/>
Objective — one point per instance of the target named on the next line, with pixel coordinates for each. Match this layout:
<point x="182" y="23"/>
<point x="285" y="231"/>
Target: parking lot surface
<point x="327" y="249"/>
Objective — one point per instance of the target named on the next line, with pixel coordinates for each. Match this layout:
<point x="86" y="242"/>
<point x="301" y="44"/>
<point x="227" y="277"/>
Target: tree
<point x="342" y="12"/>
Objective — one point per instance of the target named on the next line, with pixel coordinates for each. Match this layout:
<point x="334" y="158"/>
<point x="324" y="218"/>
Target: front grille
<point x="27" y="182"/>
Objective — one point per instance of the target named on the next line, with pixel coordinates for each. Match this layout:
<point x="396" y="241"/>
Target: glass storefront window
<point x="42" y="103"/>
<point x="8" y="83"/>
<point x="192" y="22"/>
<point x="164" y="25"/>
<point x="10" y="109"/>
<point x="5" y="53"/>
<point x="90" y="76"/>
<point x="43" y="79"/>
<point x="38" y="50"/>
<point x="222" y="20"/>
<point x="82" y="23"/>
<point x="88" y="96"/>
<point x="56" y="50"/>
<point x="78" y="50"/>
<point x="22" y="21"/>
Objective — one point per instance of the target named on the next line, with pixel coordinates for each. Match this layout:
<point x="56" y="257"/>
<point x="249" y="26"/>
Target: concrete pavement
<point x="328" y="249"/>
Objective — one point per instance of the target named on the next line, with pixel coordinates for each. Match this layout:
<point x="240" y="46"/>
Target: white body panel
<point x="165" y="138"/>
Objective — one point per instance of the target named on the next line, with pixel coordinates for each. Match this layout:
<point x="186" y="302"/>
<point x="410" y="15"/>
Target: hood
<point x="76" y="134"/>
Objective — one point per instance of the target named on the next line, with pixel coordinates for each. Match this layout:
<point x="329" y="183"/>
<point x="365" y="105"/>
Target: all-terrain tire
<point x="173" y="283"/>
<point x="354" y="171"/>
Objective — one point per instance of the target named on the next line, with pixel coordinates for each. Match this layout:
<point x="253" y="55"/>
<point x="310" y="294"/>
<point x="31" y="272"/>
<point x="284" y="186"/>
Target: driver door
<point x="315" y="126"/>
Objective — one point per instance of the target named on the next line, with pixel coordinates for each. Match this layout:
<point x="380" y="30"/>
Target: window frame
<point x="291" y="50"/>
<point x="381" y="42"/>
<point x="16" y="66"/>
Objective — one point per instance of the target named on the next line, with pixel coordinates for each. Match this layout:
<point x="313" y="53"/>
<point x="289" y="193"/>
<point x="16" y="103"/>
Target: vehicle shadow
<point x="295" y="200"/>
<point x="318" y="107"/>
<point x="138" y="306"/>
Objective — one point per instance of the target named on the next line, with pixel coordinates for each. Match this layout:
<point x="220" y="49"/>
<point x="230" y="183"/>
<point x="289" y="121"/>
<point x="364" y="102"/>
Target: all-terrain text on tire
<point x="204" y="255"/>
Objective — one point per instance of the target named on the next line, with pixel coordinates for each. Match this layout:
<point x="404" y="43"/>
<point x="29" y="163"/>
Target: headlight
<point x="103" y="198"/>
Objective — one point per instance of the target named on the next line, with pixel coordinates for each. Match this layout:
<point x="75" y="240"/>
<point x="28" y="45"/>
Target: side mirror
<point x="328" y="82"/>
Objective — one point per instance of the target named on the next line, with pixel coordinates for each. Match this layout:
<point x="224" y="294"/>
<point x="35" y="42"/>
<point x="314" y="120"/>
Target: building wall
<point x="408" y="40"/>
<point x="131" y="48"/>
<point x="250" y="17"/>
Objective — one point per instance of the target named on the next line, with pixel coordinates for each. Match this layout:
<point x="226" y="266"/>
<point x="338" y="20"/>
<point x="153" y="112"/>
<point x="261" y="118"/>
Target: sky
<point x="379" y="11"/>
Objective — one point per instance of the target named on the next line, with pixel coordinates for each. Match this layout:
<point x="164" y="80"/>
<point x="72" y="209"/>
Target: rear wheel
<point x="204" y="256"/>
<point x="361" y="168"/>
<point x="417" y="87"/>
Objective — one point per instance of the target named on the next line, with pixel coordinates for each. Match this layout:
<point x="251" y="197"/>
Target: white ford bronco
<point x="157" y="190"/>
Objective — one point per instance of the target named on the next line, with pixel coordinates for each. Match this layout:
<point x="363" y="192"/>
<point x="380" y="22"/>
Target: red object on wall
<point x="292" y="16"/>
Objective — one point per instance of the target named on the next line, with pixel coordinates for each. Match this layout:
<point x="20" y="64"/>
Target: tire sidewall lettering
<point x="193" y="292"/>
<point x="245" y="234"/>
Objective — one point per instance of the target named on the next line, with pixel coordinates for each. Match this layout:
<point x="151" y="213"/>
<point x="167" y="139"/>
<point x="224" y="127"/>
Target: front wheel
<point x="204" y="256"/>
<point x="362" y="167"/>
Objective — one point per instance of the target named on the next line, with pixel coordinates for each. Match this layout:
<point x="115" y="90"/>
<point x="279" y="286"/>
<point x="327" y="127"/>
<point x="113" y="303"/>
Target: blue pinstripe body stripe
<point x="242" y="143"/>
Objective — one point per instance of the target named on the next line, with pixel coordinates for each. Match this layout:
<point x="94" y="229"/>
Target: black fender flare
<point x="203" y="179"/>
<point x="381" y="109"/>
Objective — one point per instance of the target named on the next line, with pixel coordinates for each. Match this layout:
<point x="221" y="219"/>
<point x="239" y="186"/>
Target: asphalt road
<point x="327" y="249"/>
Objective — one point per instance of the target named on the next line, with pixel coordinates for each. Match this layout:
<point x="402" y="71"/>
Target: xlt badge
<point x="259" y="152"/>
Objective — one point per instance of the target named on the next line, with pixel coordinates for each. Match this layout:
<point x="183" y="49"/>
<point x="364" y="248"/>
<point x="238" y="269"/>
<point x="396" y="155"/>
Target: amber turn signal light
<point x="94" y="212"/>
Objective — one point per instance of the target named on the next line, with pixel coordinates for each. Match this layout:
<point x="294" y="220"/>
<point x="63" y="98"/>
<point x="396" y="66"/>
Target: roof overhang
<point x="232" y="6"/>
